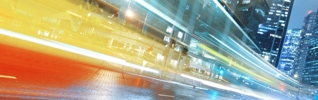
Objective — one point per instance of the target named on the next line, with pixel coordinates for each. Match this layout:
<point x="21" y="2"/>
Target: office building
<point x="265" y="21"/>
<point x="248" y="14"/>
<point x="288" y="59"/>
<point x="309" y="47"/>
<point x="270" y="34"/>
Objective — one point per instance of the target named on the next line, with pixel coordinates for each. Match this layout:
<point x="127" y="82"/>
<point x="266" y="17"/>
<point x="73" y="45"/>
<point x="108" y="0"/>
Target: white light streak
<point x="273" y="70"/>
<point x="215" y="85"/>
<point x="74" y="49"/>
<point x="234" y="22"/>
<point x="162" y="15"/>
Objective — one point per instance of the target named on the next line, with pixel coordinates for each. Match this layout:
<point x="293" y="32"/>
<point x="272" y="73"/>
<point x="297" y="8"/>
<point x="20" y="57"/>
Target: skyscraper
<point x="265" y="21"/>
<point x="309" y="50"/>
<point x="270" y="34"/>
<point x="289" y="54"/>
<point x="298" y="58"/>
<point x="248" y="14"/>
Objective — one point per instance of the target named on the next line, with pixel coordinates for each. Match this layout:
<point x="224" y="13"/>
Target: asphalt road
<point x="26" y="74"/>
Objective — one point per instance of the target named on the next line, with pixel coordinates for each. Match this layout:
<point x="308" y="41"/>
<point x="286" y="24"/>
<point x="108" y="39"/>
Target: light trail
<point x="6" y="76"/>
<point x="163" y="95"/>
<point x="234" y="22"/>
<point x="274" y="70"/>
<point x="161" y="14"/>
<point x="234" y="64"/>
<point x="74" y="49"/>
<point x="215" y="85"/>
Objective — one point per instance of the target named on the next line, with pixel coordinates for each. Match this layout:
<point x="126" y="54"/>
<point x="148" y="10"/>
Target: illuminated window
<point x="246" y="1"/>
<point x="282" y="24"/>
<point x="270" y="13"/>
<point x="281" y="21"/>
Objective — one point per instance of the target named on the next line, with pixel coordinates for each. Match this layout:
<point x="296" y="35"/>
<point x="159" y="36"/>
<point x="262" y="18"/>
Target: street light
<point x="295" y="76"/>
<point x="129" y="13"/>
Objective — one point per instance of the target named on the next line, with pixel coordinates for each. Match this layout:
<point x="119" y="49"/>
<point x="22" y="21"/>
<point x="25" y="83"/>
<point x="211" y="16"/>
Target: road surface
<point x="31" y="75"/>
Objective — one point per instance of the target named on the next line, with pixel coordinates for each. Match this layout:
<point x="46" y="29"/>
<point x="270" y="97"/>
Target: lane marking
<point x="10" y="77"/>
<point x="163" y="95"/>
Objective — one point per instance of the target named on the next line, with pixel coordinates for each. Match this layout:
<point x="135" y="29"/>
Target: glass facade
<point x="289" y="56"/>
<point x="311" y="65"/>
<point x="265" y="21"/>
<point x="270" y="34"/>
<point x="248" y="14"/>
<point x="304" y="46"/>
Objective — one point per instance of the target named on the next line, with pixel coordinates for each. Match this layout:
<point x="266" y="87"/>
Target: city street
<point x="30" y="75"/>
<point x="159" y="49"/>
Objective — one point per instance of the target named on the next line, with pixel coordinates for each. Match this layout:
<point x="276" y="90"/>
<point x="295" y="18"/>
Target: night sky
<point x="300" y="10"/>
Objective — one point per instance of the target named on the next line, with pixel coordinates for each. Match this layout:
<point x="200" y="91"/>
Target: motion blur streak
<point x="212" y="84"/>
<point x="234" y="22"/>
<point x="161" y="14"/>
<point x="227" y="60"/>
<point x="139" y="67"/>
<point x="74" y="49"/>
<point x="5" y="76"/>
<point x="274" y="71"/>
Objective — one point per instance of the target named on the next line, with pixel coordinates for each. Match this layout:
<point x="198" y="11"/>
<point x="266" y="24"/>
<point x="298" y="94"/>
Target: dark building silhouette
<point x="265" y="21"/>
<point x="270" y="36"/>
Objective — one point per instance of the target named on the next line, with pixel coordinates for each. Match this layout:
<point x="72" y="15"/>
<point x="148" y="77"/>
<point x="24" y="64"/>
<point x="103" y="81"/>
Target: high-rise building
<point x="310" y="48"/>
<point x="270" y="34"/>
<point x="248" y="14"/>
<point x="298" y="58"/>
<point x="288" y="59"/>
<point x="304" y="46"/>
<point x="265" y="21"/>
